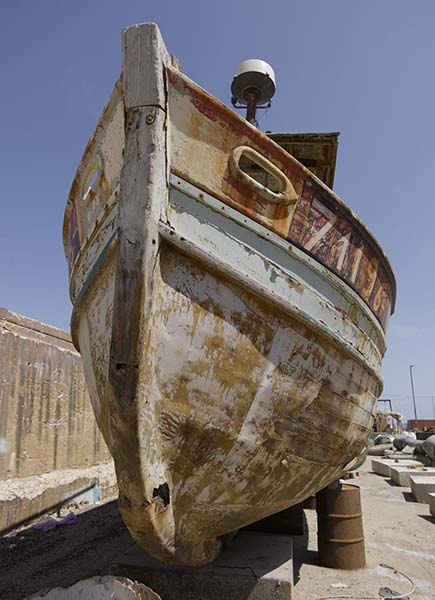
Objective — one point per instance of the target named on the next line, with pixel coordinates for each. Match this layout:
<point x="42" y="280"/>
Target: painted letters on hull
<point x="204" y="131"/>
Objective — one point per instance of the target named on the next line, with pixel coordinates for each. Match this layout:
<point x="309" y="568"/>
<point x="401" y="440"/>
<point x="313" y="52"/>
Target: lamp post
<point x="413" y="393"/>
<point x="386" y="400"/>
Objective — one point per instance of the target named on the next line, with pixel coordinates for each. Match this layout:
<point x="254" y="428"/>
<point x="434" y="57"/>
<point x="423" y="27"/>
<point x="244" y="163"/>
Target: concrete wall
<point x="46" y="419"/>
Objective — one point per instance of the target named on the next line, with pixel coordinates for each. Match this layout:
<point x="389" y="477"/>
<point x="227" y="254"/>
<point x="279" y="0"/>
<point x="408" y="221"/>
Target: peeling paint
<point x="319" y="222"/>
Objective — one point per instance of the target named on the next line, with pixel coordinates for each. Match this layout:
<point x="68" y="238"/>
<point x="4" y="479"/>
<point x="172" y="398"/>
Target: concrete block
<point x="379" y="450"/>
<point x="255" y="566"/>
<point x="403" y="455"/>
<point x="47" y="421"/>
<point x="421" y="487"/>
<point x="381" y="466"/>
<point x="431" y="497"/>
<point x="24" y="498"/>
<point x="400" y="475"/>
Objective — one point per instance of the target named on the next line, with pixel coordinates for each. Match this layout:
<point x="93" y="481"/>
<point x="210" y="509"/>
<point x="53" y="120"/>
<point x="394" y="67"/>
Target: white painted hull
<point x="241" y="414"/>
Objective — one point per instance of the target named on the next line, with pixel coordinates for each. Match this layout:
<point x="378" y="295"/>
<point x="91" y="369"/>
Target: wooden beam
<point x="144" y="56"/>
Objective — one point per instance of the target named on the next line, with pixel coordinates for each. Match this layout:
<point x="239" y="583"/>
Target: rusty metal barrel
<point x="340" y="532"/>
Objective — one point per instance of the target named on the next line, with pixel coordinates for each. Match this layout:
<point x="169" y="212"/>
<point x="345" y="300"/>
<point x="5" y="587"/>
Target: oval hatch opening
<point x="260" y="174"/>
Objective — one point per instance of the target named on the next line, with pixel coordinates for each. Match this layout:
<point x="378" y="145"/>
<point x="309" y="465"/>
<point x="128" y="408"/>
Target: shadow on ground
<point x="301" y="554"/>
<point x="392" y="483"/>
<point x="428" y="518"/>
<point x="33" y="560"/>
<point x="409" y="497"/>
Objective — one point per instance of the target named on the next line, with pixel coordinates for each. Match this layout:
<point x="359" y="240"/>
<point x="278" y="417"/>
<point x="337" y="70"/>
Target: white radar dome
<point x="253" y="76"/>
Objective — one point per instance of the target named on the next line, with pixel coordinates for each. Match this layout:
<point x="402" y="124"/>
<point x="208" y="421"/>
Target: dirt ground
<point x="398" y="531"/>
<point x="33" y="560"/>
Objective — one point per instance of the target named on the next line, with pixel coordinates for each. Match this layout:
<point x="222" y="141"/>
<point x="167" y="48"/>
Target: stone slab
<point x="255" y="566"/>
<point x="421" y="487"/>
<point x="400" y="475"/>
<point x="401" y="455"/>
<point x="379" y="450"/>
<point x="24" y="498"/>
<point x="431" y="497"/>
<point x="381" y="466"/>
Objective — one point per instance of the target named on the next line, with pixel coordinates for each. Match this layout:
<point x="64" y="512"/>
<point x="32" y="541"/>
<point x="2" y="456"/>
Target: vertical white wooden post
<point x="143" y="189"/>
<point x="140" y="467"/>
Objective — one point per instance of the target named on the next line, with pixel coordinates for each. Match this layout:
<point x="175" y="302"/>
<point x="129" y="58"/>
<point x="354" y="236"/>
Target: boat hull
<point x="245" y="410"/>
<point x="233" y="370"/>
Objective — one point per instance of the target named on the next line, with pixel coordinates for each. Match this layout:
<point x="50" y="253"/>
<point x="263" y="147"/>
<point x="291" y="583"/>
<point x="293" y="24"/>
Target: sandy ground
<point x="398" y="532"/>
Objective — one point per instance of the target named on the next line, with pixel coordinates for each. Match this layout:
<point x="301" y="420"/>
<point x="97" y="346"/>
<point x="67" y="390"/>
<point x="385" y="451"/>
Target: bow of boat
<point x="229" y="308"/>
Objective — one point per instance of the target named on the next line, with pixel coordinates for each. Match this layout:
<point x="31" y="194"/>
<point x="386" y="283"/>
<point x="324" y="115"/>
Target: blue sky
<point x="361" y="67"/>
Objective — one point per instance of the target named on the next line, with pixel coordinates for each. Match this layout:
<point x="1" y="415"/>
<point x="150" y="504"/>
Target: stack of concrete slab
<point x="400" y="474"/>
<point x="400" y="455"/>
<point x="381" y="466"/>
<point x="431" y="496"/>
<point x="24" y="498"/>
<point x="422" y="487"/>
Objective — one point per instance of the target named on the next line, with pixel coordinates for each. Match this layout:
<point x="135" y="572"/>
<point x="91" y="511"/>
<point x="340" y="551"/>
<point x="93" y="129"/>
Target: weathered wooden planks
<point x="143" y="186"/>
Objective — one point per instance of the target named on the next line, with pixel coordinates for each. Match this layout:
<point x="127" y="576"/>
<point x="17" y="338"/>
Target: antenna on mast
<point x="253" y="87"/>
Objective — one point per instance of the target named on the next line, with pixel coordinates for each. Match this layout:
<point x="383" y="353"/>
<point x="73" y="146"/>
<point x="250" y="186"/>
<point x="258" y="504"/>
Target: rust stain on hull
<point x="249" y="406"/>
<point x="205" y="130"/>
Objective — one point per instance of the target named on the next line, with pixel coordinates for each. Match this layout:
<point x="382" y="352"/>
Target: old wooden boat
<point x="231" y="334"/>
